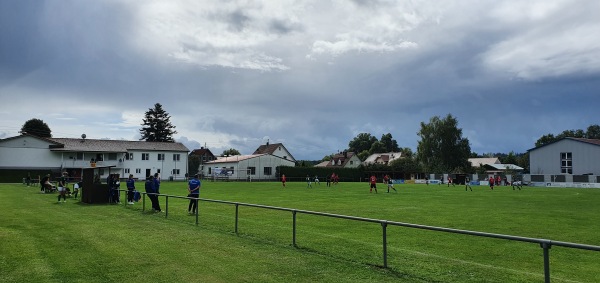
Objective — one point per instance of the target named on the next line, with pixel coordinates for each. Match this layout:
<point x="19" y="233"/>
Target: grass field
<point x="45" y="241"/>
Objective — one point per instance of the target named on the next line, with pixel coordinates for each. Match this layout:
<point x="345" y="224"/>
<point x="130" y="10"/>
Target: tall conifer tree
<point x="156" y="126"/>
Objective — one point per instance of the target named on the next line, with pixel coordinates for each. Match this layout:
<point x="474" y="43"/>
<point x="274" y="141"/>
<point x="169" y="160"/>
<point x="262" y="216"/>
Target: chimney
<point x="345" y="154"/>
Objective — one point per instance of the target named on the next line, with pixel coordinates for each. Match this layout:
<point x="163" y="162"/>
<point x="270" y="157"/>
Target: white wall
<point x="546" y="159"/>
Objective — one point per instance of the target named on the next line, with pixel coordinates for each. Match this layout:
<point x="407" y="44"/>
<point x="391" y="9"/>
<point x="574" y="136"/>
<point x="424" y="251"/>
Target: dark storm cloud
<point x="312" y="75"/>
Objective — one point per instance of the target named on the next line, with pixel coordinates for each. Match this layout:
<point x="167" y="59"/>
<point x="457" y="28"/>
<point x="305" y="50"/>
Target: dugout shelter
<point x="94" y="191"/>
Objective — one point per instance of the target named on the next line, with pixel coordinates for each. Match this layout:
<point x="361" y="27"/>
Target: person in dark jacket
<point x="130" y="188"/>
<point x="151" y="191"/>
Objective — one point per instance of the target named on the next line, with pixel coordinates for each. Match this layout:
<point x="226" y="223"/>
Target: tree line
<point x="441" y="147"/>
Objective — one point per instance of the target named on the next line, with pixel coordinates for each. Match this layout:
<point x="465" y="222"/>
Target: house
<point x="567" y="156"/>
<point x="276" y="149"/>
<point x="139" y="158"/>
<point x="342" y="160"/>
<point x="382" y="158"/>
<point x="246" y="167"/>
<point x="492" y="165"/>
<point x="479" y="162"/>
<point x="205" y="155"/>
<point x="502" y="168"/>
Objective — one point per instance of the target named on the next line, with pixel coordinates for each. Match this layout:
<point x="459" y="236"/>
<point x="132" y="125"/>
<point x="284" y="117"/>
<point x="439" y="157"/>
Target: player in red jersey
<point x="373" y="181"/>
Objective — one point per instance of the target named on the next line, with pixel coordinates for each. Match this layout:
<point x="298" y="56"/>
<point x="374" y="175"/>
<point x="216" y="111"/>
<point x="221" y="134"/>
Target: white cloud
<point x="550" y="39"/>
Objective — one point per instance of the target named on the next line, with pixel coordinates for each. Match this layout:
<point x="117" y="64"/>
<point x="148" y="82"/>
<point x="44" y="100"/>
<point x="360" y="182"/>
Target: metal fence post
<point x="546" y="246"/>
<point x="294" y="228"/>
<point x="144" y="203"/>
<point x="197" y="210"/>
<point x="237" y="212"/>
<point x="166" y="206"/>
<point x="384" y="228"/>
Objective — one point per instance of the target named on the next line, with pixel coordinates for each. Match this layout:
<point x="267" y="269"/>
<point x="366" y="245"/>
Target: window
<point x="161" y="156"/>
<point x="566" y="163"/>
<point x="145" y="156"/>
<point x="209" y="171"/>
<point x="252" y="170"/>
<point x="99" y="157"/>
<point x="267" y="170"/>
<point x="138" y="171"/>
<point x="112" y="156"/>
<point x="127" y="171"/>
<point x="352" y="162"/>
<point x="176" y="157"/>
<point x="175" y="171"/>
<point x="128" y="156"/>
<point x="231" y="170"/>
<point x="79" y="156"/>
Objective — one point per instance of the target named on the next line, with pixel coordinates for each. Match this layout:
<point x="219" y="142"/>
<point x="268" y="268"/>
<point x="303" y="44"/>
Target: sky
<point x="309" y="74"/>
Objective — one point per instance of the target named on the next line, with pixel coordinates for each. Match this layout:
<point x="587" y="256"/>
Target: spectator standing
<point x="43" y="182"/>
<point x="62" y="188"/>
<point x="194" y="192"/>
<point x="151" y="192"/>
<point x="130" y="183"/>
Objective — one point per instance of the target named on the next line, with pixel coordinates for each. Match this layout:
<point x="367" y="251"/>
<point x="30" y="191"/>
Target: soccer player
<point x="491" y="181"/>
<point x="517" y="184"/>
<point x="450" y="181"/>
<point x="467" y="184"/>
<point x="317" y="180"/>
<point x="283" y="180"/>
<point x="308" y="182"/>
<point x="390" y="183"/>
<point x="373" y="181"/>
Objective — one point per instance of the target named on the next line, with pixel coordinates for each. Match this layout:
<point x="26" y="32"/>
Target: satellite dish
<point x="83" y="136"/>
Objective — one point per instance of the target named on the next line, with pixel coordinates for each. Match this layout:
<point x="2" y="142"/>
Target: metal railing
<point x="545" y="244"/>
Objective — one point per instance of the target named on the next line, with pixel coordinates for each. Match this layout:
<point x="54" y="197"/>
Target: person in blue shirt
<point x="151" y="191"/>
<point x="194" y="192"/>
<point x="130" y="188"/>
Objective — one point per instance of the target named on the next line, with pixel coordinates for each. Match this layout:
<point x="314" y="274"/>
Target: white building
<point x="571" y="156"/>
<point x="382" y="158"/>
<point x="140" y="158"/>
<point x="342" y="160"/>
<point x="245" y="167"/>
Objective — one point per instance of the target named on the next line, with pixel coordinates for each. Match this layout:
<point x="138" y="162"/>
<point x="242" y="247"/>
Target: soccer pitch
<point x="74" y="242"/>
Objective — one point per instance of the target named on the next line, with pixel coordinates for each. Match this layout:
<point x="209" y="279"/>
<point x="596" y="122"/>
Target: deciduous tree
<point x="231" y="152"/>
<point x="442" y="147"/>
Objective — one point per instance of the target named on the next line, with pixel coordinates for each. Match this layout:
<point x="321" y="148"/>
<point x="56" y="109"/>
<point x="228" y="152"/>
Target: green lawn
<point x="44" y="241"/>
